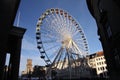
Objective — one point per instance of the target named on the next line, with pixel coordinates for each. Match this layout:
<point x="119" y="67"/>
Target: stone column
<point x="15" y="42"/>
<point x="2" y="63"/>
<point x="15" y="60"/>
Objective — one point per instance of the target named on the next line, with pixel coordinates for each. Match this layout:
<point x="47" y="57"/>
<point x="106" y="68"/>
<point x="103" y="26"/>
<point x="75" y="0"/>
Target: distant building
<point x="97" y="61"/>
<point x="107" y="16"/>
<point x="29" y="68"/>
<point x="37" y="72"/>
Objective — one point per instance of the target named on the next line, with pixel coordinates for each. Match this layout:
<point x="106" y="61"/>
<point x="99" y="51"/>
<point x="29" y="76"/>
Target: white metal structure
<point x="60" y="40"/>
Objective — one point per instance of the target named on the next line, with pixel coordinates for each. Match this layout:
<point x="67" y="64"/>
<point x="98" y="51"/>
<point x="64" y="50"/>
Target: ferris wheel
<point x="60" y="40"/>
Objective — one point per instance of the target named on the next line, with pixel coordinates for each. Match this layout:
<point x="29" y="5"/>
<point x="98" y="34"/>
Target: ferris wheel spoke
<point x="46" y="30"/>
<point x="55" y="59"/>
<point x="69" y="25"/>
<point x="64" y="18"/>
<point x="75" y="52"/>
<point x="49" y="42"/>
<point x="77" y="36"/>
<point x="56" y="21"/>
<point x="80" y="44"/>
<point x="54" y="53"/>
<point x="66" y="24"/>
<point x="58" y="61"/>
<point x="81" y="47"/>
<point x="64" y="60"/>
<point x="71" y="29"/>
<point x="75" y="33"/>
<point x="50" y="25"/>
<point x="53" y="24"/>
<point x="60" y="21"/>
<point x="53" y="63"/>
<point x="51" y="47"/>
<point x="69" y="62"/>
<point x="79" y="39"/>
<point x="74" y="60"/>
<point x="49" y="35"/>
<point x="57" y="55"/>
<point x="77" y="48"/>
<point x="79" y="51"/>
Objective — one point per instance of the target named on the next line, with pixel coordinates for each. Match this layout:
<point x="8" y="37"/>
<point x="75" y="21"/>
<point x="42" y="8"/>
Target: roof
<point x="100" y="53"/>
<point x="97" y="54"/>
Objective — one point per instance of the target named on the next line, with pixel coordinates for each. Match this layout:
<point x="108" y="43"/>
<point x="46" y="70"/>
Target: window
<point x="103" y="68"/>
<point x="102" y="63"/>
<point x="98" y="69"/>
<point x="97" y="63"/>
<point x="96" y="59"/>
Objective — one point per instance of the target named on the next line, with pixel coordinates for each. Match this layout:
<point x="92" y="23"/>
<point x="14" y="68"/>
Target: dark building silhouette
<point x="10" y="39"/>
<point x="39" y="71"/>
<point x="107" y="16"/>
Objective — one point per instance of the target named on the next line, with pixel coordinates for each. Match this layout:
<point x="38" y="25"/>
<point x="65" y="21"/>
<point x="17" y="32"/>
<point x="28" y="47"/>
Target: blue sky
<point x="31" y="10"/>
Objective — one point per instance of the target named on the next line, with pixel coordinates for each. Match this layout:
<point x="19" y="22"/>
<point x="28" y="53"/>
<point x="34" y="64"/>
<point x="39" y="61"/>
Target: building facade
<point x="107" y="15"/>
<point x="98" y="62"/>
<point x="29" y="68"/>
<point x="10" y="39"/>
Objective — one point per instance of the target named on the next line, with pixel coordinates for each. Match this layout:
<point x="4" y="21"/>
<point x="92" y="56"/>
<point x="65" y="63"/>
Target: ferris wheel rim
<point x="39" y="41"/>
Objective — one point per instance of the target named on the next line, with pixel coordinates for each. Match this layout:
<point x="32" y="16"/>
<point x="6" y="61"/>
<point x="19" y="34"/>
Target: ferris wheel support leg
<point x="50" y="68"/>
<point x="64" y="62"/>
<point x="69" y="63"/>
<point x="76" y="47"/>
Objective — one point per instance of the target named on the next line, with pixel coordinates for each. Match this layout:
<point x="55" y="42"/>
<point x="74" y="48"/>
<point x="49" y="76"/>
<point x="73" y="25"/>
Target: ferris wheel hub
<point x="66" y="43"/>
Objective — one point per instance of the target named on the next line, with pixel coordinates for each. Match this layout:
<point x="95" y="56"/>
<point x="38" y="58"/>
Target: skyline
<point x="30" y="11"/>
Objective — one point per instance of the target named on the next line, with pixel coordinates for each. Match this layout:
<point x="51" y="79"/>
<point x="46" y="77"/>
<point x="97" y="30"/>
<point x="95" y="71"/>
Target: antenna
<point x="18" y="19"/>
